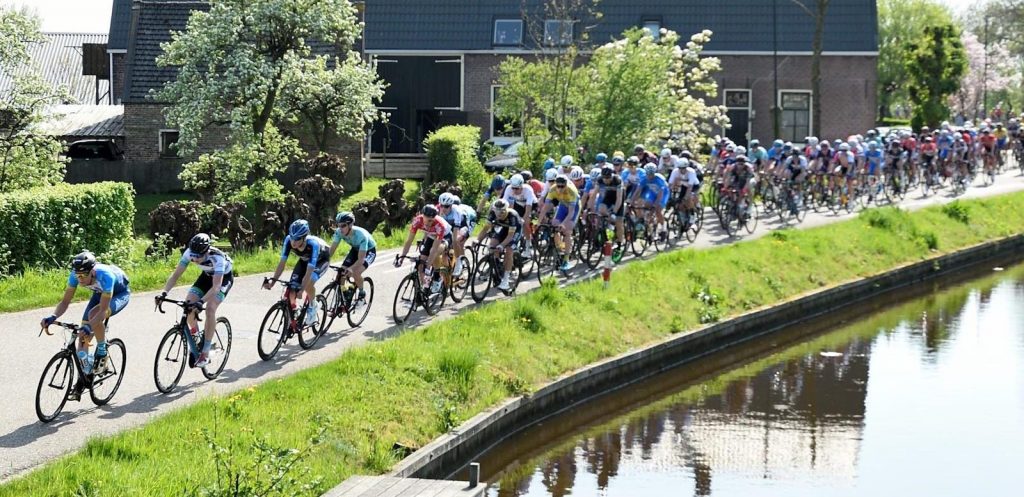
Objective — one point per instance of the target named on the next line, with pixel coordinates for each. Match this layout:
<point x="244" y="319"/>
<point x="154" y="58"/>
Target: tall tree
<point x="899" y="22"/>
<point x="984" y="74"/>
<point x="935" y="63"/>
<point x="818" y="11"/>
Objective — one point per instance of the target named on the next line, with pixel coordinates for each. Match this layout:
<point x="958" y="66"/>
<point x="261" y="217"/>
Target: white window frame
<point x="494" y="34"/>
<point x="648" y="23"/>
<point x="749" y="107"/>
<point x="560" y="43"/>
<point x="494" y="136"/>
<point x="163" y="150"/>
<point x="462" y="82"/>
<point x="810" y="110"/>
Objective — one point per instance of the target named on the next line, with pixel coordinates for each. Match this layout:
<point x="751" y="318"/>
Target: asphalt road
<point x="26" y="443"/>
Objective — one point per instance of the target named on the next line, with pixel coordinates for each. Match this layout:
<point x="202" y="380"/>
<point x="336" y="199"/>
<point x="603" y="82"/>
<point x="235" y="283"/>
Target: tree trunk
<point x="819" y="35"/>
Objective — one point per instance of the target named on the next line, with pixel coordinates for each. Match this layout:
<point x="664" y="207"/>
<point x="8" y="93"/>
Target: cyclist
<point x="110" y="295"/>
<point x="644" y="156"/>
<point x="311" y="250"/>
<point x="566" y="214"/>
<point x="686" y="182"/>
<point x="610" y="199"/>
<point x="565" y="164"/>
<point x="757" y="155"/>
<point x="874" y="160"/>
<point x="496" y="189"/>
<point x="534" y="183"/>
<point x="794" y="170"/>
<point x="437" y="236"/>
<point x="503" y="228"/>
<point x="742" y="177"/>
<point x="524" y="200"/>
<point x="211" y="288"/>
<point x="600" y="160"/>
<point x="655" y="193"/>
<point x="632" y="176"/>
<point x="363" y="249"/>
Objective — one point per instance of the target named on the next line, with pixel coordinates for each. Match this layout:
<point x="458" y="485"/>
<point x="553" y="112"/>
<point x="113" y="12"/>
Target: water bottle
<point x="86" y="358"/>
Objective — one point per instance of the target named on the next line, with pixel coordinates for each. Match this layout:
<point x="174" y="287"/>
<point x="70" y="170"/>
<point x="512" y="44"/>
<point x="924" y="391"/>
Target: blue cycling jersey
<point x="315" y="250"/>
<point x="109" y="279"/>
<point x="873" y="156"/>
<point x="655" y="185"/>
<point x="358" y="238"/>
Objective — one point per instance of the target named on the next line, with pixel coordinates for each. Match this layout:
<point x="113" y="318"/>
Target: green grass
<point x="37" y="289"/>
<point x="410" y="389"/>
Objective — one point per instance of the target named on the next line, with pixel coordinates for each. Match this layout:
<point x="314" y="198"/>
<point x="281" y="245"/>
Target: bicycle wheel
<point x="659" y="237"/>
<point x="309" y="334"/>
<point x="547" y="261"/>
<point x="171" y="356"/>
<point x="460" y="283"/>
<point x="638" y="244"/>
<point x="528" y="263"/>
<point x="595" y="247"/>
<point x="220" y="349"/>
<point x="104" y="386"/>
<point x="273" y="330"/>
<point x="751" y="222"/>
<point x="334" y="301"/>
<point x="405" y="299"/>
<point x="432" y="301"/>
<point x="54" y="386"/>
<point x="801" y="208"/>
<point x="481" y="279"/>
<point x="358" y="310"/>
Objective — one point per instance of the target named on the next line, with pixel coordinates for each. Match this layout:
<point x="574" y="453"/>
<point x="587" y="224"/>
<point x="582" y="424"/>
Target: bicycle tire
<point x="117" y="357"/>
<point x="357" y="319"/>
<point x="334" y="301"/>
<point x="309" y="334"/>
<point x="751" y="223"/>
<point x="638" y="244"/>
<point x="405" y="298"/>
<point x="431" y="301"/>
<point x="595" y="249"/>
<point x="171" y="356"/>
<point x="480" y="281"/>
<point x="268" y="350"/>
<point x="63" y="368"/>
<point x="219" y="349"/>
<point x="547" y="261"/>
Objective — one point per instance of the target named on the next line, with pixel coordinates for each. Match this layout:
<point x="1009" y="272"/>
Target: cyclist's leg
<point x="199" y="288"/>
<point x="211" y="308"/>
<point x="295" y="281"/>
<point x="357" y="269"/>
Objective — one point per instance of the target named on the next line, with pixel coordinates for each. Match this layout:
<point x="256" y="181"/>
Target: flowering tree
<point x="968" y="100"/>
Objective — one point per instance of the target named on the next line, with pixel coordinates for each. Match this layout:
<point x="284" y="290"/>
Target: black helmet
<point x="199" y="244"/>
<point x="429" y="210"/>
<point x="526" y="174"/>
<point x="84" y="262"/>
<point x="607" y="171"/>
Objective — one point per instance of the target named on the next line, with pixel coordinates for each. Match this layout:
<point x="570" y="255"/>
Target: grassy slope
<point x="412" y="388"/>
<point x="35" y="289"/>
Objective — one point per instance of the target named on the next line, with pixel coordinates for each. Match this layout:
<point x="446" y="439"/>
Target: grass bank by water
<point x="412" y="388"/>
<point x="35" y="289"/>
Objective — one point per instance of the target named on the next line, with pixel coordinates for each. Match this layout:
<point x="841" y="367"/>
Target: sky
<point x="93" y="16"/>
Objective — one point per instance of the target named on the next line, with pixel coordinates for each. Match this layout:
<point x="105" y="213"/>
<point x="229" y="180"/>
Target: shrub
<point x="452" y="152"/>
<point x="958" y="211"/>
<point x="44" y="227"/>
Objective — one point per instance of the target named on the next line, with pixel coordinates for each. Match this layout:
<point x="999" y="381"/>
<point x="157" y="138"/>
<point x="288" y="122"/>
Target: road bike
<point x="66" y="371"/>
<point x="490" y="269"/>
<point x="342" y="297"/>
<point x="179" y="346"/>
<point x="286" y="319"/>
<point x="412" y="294"/>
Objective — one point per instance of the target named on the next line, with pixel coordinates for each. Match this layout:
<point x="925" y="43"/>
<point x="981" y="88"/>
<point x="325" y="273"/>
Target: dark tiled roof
<point x="120" y="23"/>
<point x="153" y="22"/>
<point x="739" y="25"/>
<point x="59" y="60"/>
<point x="100" y="121"/>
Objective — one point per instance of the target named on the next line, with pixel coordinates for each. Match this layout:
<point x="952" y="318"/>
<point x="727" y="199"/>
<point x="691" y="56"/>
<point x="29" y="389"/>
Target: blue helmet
<point x="549" y="163"/>
<point x="778" y="144"/>
<point x="498" y="183"/>
<point x="298" y="229"/>
<point x="601" y="157"/>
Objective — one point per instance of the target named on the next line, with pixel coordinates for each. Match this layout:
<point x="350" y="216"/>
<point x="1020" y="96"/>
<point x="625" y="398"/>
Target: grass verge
<point x="36" y="289"/>
<point x="408" y="390"/>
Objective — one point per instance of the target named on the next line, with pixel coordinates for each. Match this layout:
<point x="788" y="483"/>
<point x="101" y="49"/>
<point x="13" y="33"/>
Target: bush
<point x="44" y="227"/>
<point x="452" y="152"/>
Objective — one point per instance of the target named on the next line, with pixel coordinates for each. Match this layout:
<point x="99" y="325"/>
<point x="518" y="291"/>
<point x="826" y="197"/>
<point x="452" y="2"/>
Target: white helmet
<point x="446" y="199"/>
<point x="516" y="180"/>
<point x="650" y="169"/>
<point x="576" y="173"/>
<point x="683" y="162"/>
<point x="550" y="174"/>
<point x="812" y="141"/>
<point x="595" y="172"/>
<point x="845" y="147"/>
<point x="666" y="153"/>
<point x="741" y="150"/>
<point x="566" y="160"/>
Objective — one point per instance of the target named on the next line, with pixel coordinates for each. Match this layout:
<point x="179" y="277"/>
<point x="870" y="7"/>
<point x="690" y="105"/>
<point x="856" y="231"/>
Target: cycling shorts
<point x="205" y="281"/>
<point x="117" y="302"/>
<point x="350" y="259"/>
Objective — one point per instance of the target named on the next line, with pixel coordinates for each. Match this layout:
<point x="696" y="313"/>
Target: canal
<point x="920" y="393"/>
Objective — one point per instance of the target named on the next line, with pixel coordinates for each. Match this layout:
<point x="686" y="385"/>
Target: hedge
<point x="45" y="227"/>
<point x="452" y="153"/>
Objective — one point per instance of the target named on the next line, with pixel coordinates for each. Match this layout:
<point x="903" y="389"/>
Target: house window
<point x="508" y="32"/>
<point x="653" y="28"/>
<point x="557" y="33"/>
<point x="169" y="143"/>
<point x="796" y="115"/>
<point x="500" y="127"/>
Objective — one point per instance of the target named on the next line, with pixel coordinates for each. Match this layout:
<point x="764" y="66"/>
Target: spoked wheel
<point x="638" y="243"/>
<point x="751" y="222"/>
<point x="480" y="281"/>
<point x="360" y="307"/>
<point x="171" y="356"/>
<point x="105" y="385"/>
<point x="659" y="237"/>
<point x="460" y="283"/>
<point x="547" y="261"/>
<point x="333" y="298"/>
<point x="696" y="223"/>
<point x="801" y="208"/>
<point x="273" y="331"/>
<point x="220" y="349"/>
<point x="309" y="334"/>
<point x="432" y="301"/>
<point x="595" y="247"/>
<point x="54" y="386"/>
<point x="405" y="299"/>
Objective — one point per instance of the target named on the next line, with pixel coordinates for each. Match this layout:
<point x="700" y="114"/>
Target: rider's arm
<point x="408" y="241"/>
<point x="62" y="306"/>
<point x="178" y="271"/>
<point x="284" y="259"/>
<point x="335" y="242"/>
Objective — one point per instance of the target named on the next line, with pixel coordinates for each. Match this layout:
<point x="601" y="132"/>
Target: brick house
<point x="153" y="163"/>
<point x="439" y="59"/>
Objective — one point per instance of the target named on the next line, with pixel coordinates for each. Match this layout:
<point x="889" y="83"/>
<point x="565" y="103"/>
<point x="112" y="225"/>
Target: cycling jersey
<point x="358" y="238"/>
<point x="501" y="226"/>
<point x="608" y="192"/>
<point x="215" y="262"/>
<point x="757" y="154"/>
<point x="987" y="141"/>
<point x="109" y="279"/>
<point x="874" y="160"/>
<point x="795" y="167"/>
<point x="687" y="176"/>
<point x="439" y="229"/>
<point x="537" y="186"/>
<point x="564" y="196"/>
<point x="653" y="186"/>
<point x="315" y="250"/>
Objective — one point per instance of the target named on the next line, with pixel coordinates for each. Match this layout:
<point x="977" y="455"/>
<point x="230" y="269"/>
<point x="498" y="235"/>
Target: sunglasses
<point x="83" y="273"/>
<point x="560" y="185"/>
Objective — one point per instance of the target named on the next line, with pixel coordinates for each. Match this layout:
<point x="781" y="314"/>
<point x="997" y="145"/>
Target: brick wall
<point x="480" y="74"/>
<point x="117" y="85"/>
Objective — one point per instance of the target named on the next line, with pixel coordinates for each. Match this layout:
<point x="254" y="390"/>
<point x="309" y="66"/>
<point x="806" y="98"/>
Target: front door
<point x="420" y="90"/>
<point x="737" y="104"/>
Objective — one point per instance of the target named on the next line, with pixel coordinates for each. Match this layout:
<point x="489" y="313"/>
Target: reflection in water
<point x="944" y="392"/>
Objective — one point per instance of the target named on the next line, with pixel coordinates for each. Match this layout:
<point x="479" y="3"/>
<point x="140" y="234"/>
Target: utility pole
<point x="775" y="70"/>
<point x="984" y="76"/>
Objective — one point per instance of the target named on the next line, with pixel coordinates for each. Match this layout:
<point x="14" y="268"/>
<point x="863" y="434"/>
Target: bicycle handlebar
<point x="69" y="326"/>
<point x="180" y="303"/>
<point x="267" y="279"/>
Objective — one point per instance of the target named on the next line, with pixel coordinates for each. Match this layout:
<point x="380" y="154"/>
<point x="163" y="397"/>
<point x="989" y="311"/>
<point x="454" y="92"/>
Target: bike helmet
<point x="844" y="147"/>
<point x="428" y="211"/>
<point x="638" y="149"/>
<point x="666" y="153"/>
<point x="498" y="183"/>
<point x="527" y="175"/>
<point x="618" y="160"/>
<point x="619" y="154"/>
<point x="561" y="179"/>
<point x="741" y="150"/>
<point x="447" y="199"/>
<point x="650" y="169"/>
<point x="633" y="160"/>
<point x="741" y="158"/>
<point x="550" y="175"/>
<point x="84" y="262"/>
<point x="549" y="163"/>
<point x="348" y="217"/>
<point x="601" y="157"/>
<point x="595" y="172"/>
<point x="812" y="141"/>
<point x="458" y="200"/>
<point x="199" y="244"/>
<point x="298" y="229"/>
<point x="576" y="173"/>
<point x="730" y="147"/>
<point x="873" y="145"/>
<point x="500" y="205"/>
<point x="516" y="181"/>
<point x="566" y="160"/>
<point x="786" y="147"/>
<point x="607" y="171"/>
<point x="778" y="144"/>
<point x="755" y="142"/>
<point x="686" y="154"/>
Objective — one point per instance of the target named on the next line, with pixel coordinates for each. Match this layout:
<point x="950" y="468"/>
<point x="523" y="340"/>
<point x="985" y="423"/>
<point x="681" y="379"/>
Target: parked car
<point x="505" y="160"/>
<point x="94" y="149"/>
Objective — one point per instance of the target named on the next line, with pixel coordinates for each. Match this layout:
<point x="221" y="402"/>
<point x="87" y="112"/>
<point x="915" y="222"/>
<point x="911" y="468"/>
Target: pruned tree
<point x="899" y="22"/>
